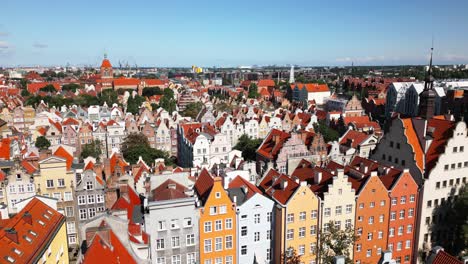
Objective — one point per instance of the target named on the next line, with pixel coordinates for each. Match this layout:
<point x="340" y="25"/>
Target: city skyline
<point x="164" y="34"/>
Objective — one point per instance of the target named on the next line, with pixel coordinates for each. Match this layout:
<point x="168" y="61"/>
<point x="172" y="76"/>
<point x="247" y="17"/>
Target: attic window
<point x="41" y="222"/>
<point x="18" y="252"/>
<point x="10" y="259"/>
<point x="27" y="239"/>
<point x="49" y="212"/>
<point x="218" y="195"/>
<point x="46" y="216"/>
<point x="33" y="233"/>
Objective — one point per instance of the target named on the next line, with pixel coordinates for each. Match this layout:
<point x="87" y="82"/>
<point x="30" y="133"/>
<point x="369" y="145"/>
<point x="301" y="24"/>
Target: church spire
<point x="427" y="97"/>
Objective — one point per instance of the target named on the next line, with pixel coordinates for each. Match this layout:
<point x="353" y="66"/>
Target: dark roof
<point x="240" y="195"/>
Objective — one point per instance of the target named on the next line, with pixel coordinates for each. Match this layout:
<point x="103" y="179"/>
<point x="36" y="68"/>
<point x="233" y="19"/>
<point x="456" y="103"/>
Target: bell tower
<point x="107" y="74"/>
<point x="427" y="97"/>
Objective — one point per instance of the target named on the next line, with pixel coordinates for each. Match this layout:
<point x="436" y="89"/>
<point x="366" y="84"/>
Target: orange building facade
<point x="218" y="227"/>
<point x="371" y="224"/>
<point x="403" y="214"/>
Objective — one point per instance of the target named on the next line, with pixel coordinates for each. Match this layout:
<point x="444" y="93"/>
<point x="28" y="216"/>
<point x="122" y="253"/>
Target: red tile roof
<point x="353" y="136"/>
<point x="413" y="140"/>
<point x="117" y="160"/>
<point x="169" y="190"/>
<point x="35" y="87"/>
<point x="109" y="250"/>
<point x="204" y="183"/>
<point x="126" y="82"/>
<point x="5" y="148"/>
<point x="273" y="143"/>
<point x="442" y="131"/>
<point x="240" y="182"/>
<point x="273" y="184"/>
<point x="266" y="83"/>
<point x="63" y="153"/>
<point x="127" y="203"/>
<point x="106" y="64"/>
<point x="23" y="225"/>
<point x="443" y="257"/>
<point x="28" y="166"/>
<point x="153" y="82"/>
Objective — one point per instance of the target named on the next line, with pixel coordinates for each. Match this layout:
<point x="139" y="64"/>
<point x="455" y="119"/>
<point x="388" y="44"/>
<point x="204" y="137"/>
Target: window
<point x="219" y="260"/>
<point x="302" y="216"/>
<point x="89" y="185"/>
<point x="207" y="227"/>
<point x="409" y="229"/>
<point x="175" y="242"/>
<point x="160" y="243"/>
<point x="455" y="149"/>
<point x="369" y="253"/>
<point x="302" y="231"/>
<point x="403" y="200"/>
<point x="50" y="183"/>
<point x="371" y="220"/>
<point x="372" y="204"/>
<point x="437" y="185"/>
<point x="256" y="236"/>
<point x="92" y="212"/>
<point x="20" y="188"/>
<point x="327" y="211"/>
<point x="175" y="224"/>
<point x="161" y="225"/>
<point x="394" y="201"/>
<point x="326" y="227"/>
<point x="191" y="259"/>
<point x="269" y="217"/>
<point x="30" y="187"/>
<point x="244" y="231"/>
<point x="402" y="214"/>
<point x="429" y="203"/>
<point x="207" y="245"/>
<point x="462" y="148"/>
<point x="358" y="247"/>
<point x="379" y="251"/>
<point x="190" y="240"/>
<point x="412" y="198"/>
<point x="290" y="218"/>
<point x="69" y="211"/>
<point x="230" y="261"/>
<point x="382" y="203"/>
<point x="222" y="209"/>
<point x="218" y="225"/>
<point x="313" y="248"/>
<point x="348" y="223"/>
<point x="289" y="234"/>
<point x="391" y="232"/>
<point x="71" y="228"/>
<point x="313" y="230"/>
<point x="338" y="210"/>
<point x="349" y="208"/>
<point x="99" y="198"/>
<point x="369" y="236"/>
<point x="411" y="212"/>
<point x="361" y="205"/>
<point x="67" y="196"/>
<point x="399" y="246"/>
<point x="446" y="167"/>
<point x="91" y="199"/>
<point x="228" y="242"/>
<point x="257" y="218"/>
<point x="81" y="199"/>
<point x="392" y="216"/>
<point x="390" y="247"/>
<point x="228" y="224"/>
<point x="72" y="239"/>
<point x="213" y="210"/>
<point x="301" y="250"/>
<point x="408" y="244"/>
<point x="83" y="214"/>
<point x="380" y="234"/>
<point x="61" y="182"/>
<point x="400" y="230"/>
<point x="313" y="214"/>
<point x="218" y="244"/>
<point x="359" y="231"/>
<point x="268" y="235"/>
<point x="207" y="261"/>
<point x="244" y="250"/>
<point x="187" y="222"/>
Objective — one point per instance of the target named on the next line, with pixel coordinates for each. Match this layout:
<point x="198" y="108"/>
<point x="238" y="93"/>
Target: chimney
<point x="284" y="184"/>
<point x="339" y="260"/>
<point x="317" y="177"/>
<point x="27" y="217"/>
<point x="11" y="234"/>
<point x="234" y="199"/>
<point x="340" y="173"/>
<point x="245" y="189"/>
<point x="296" y="179"/>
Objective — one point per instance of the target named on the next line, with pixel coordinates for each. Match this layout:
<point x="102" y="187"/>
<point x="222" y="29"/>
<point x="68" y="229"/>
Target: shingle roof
<point x="25" y="226"/>
<point x="108" y="249"/>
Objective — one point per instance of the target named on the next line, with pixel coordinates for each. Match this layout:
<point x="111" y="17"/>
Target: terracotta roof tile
<point x="110" y="250"/>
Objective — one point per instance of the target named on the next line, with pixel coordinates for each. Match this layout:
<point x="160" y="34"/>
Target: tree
<point x="336" y="242"/>
<point x="42" y="143"/>
<point x="328" y="133"/>
<point x="25" y="93"/>
<point x="134" y="104"/>
<point x="168" y="101"/>
<point x="71" y="87"/>
<point x="193" y="109"/>
<point x="92" y="149"/>
<point x="248" y="146"/>
<point x="253" y="91"/>
<point x="48" y="88"/>
<point x="451" y="229"/>
<point x="109" y="96"/>
<point x="290" y="257"/>
<point x="136" y="145"/>
<point x="150" y="91"/>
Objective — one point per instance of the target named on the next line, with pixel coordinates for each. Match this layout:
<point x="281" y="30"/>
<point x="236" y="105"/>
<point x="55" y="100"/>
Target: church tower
<point x="107" y="73"/>
<point x="427" y="97"/>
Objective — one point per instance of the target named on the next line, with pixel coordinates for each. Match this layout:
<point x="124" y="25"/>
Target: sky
<point x="228" y="33"/>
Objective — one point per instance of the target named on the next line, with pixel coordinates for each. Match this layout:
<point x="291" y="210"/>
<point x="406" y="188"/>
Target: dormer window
<point x="18" y="177"/>
<point x="18" y="252"/>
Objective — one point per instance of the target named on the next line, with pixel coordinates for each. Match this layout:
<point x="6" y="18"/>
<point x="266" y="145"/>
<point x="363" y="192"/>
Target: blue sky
<point x="232" y="33"/>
